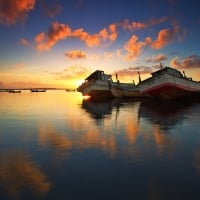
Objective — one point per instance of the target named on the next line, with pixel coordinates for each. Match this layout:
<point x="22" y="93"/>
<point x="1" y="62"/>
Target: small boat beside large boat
<point x="169" y="83"/>
<point x="131" y="90"/>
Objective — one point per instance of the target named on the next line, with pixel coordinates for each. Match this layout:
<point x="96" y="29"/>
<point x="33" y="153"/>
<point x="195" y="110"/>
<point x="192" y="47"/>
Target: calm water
<point x="55" y="145"/>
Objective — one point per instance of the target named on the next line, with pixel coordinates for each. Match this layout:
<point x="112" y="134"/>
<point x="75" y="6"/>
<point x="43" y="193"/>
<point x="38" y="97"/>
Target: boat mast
<point x="139" y="76"/>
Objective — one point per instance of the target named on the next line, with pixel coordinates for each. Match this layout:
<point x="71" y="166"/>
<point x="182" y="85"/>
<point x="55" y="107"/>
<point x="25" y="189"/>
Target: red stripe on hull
<point x="169" y="91"/>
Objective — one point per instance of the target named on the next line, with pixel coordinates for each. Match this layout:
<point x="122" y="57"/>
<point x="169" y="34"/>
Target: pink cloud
<point x="13" y="11"/>
<point x="157" y="58"/>
<point x="132" y="71"/>
<point x="134" y="25"/>
<point x="131" y="26"/>
<point x="24" y="42"/>
<point x="187" y="62"/>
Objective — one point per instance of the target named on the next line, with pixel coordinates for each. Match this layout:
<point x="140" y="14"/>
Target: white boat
<point x="169" y="83"/>
<point x="129" y="90"/>
<point x="97" y="85"/>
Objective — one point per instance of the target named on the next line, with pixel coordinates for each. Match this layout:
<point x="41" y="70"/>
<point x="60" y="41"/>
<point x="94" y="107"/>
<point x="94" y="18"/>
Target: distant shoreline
<point x="8" y="89"/>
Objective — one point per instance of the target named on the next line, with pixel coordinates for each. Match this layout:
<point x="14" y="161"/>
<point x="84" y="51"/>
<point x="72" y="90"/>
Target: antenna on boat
<point x="161" y="66"/>
<point x="184" y="74"/>
<point x="117" y="80"/>
<point x="139" y="76"/>
<point x="116" y="75"/>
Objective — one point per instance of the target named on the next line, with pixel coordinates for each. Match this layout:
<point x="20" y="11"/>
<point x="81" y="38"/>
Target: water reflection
<point x="116" y="147"/>
<point x="165" y="115"/>
<point x="98" y="110"/>
<point x="19" y="175"/>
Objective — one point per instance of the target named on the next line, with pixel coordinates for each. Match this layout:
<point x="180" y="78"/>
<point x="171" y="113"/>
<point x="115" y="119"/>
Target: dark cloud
<point x="50" y="9"/>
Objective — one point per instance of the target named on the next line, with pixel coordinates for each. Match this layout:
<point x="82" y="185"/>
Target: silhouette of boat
<point x="38" y="90"/>
<point x="14" y="91"/>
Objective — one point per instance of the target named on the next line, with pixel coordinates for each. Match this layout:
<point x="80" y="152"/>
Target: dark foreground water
<point x="55" y="145"/>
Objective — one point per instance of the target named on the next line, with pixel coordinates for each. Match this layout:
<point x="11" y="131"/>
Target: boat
<point x="97" y="85"/>
<point x="125" y="90"/>
<point x="14" y="91"/>
<point x="169" y="83"/>
<point x="38" y="90"/>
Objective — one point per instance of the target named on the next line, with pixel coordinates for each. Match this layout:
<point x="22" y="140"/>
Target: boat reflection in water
<point x="102" y="109"/>
<point x="167" y="114"/>
<point x="97" y="109"/>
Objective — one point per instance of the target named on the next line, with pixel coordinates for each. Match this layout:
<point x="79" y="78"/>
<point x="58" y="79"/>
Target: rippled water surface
<point x="56" y="145"/>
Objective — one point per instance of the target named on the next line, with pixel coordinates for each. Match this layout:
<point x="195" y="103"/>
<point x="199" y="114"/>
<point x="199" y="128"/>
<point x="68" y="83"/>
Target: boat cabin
<point x="168" y="70"/>
<point x="98" y="75"/>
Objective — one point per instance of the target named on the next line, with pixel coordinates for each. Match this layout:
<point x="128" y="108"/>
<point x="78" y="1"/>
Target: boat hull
<point x="119" y="92"/>
<point x="168" y="86"/>
<point x="96" y="89"/>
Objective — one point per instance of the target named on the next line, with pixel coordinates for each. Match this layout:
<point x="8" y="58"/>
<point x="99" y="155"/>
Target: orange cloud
<point x="45" y="41"/>
<point x="134" y="47"/>
<point x="15" y="11"/>
<point x="92" y="40"/>
<point x="74" y="54"/>
<point x="165" y="36"/>
<point x="103" y="34"/>
<point x="187" y="62"/>
<point x="56" y="32"/>
<point x="113" y="32"/>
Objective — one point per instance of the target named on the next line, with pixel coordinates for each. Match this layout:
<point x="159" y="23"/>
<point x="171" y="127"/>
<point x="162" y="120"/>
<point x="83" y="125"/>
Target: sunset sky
<point x="57" y="43"/>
